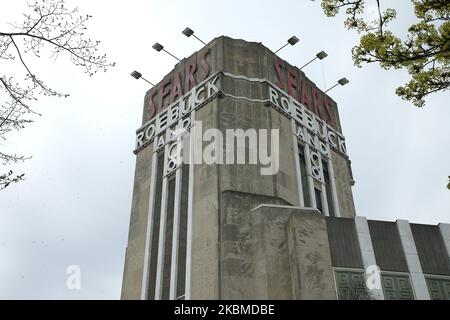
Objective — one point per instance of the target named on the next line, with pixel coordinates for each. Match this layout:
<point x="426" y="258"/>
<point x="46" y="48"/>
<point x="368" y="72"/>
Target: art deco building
<point x="226" y="231"/>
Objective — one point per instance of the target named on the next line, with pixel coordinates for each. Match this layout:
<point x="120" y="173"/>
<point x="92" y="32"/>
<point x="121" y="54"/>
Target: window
<point x="304" y="175"/>
<point x="396" y="287"/>
<point x="351" y="285"/>
<point x="326" y="178"/>
<point x="170" y="216"/>
<point x="318" y="195"/>
<point x="182" y="242"/>
<point x="439" y="288"/>
<point x="168" y="242"/>
<point x="155" y="225"/>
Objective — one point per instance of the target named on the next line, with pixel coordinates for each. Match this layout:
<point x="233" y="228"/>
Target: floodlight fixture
<point x="189" y="32"/>
<point x="342" y="82"/>
<point x="137" y="75"/>
<point x="321" y="55"/>
<point x="158" y="47"/>
<point x="292" y="41"/>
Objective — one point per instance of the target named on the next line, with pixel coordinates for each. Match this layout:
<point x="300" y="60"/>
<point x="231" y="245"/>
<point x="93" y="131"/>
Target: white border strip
<point x="367" y="252"/>
<point x="417" y="278"/>
<point x="189" y="233"/>
<point x="312" y="192"/>
<point x="162" y="232"/>
<point x="244" y="98"/>
<point x="332" y="178"/>
<point x="300" y="192"/>
<point x="175" y="235"/>
<point x="324" y="199"/>
<point x="268" y="205"/>
<point x="147" y="252"/>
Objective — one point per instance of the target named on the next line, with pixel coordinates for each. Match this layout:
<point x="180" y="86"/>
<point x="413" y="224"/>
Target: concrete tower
<point x="224" y="228"/>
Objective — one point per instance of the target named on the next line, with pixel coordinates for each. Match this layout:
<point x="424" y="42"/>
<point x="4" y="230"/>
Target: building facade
<point x="273" y="219"/>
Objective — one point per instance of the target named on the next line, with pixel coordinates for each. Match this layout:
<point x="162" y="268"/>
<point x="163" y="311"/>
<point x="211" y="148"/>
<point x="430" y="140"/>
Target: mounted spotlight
<point x="292" y="41"/>
<point x="342" y="82"/>
<point x="137" y="75"/>
<point x="158" y="47"/>
<point x="321" y="55"/>
<point x="189" y="32"/>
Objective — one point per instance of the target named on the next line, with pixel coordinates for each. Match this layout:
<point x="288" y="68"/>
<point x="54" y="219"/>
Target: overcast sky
<point x="74" y="207"/>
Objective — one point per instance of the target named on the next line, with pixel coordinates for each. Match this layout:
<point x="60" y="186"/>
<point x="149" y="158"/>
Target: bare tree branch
<point x="48" y="25"/>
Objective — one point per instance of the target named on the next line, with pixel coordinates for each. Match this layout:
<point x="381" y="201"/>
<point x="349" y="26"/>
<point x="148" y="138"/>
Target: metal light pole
<point x="189" y="32"/>
<point x="292" y="41"/>
<point x="342" y="82"/>
<point x="137" y="75"/>
<point x="158" y="47"/>
<point x="321" y="55"/>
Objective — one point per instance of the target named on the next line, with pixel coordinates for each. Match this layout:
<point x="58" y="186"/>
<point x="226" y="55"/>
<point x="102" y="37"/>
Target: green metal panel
<point x="439" y="288"/>
<point x="351" y="285"/>
<point x="397" y="287"/>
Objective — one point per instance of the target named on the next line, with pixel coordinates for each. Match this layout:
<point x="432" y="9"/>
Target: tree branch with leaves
<point x="425" y="53"/>
<point x="48" y="25"/>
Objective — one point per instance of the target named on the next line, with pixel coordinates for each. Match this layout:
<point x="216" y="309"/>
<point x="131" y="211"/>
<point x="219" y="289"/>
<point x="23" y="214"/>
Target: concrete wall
<point x="205" y="242"/>
<point x="253" y="60"/>
<point x="134" y="257"/>
<point x="274" y="251"/>
<point x="343" y="180"/>
<point x="309" y="256"/>
<point x="244" y="255"/>
<point x="216" y="270"/>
